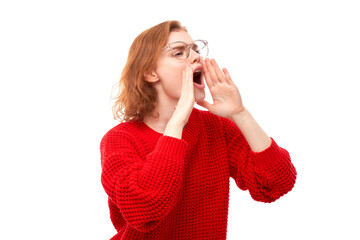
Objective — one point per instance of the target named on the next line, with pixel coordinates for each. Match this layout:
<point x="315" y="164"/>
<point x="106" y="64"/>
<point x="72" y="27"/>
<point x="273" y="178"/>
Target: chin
<point x="199" y="96"/>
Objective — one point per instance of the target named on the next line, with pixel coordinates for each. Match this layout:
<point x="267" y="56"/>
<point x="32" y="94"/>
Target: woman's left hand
<point x="226" y="96"/>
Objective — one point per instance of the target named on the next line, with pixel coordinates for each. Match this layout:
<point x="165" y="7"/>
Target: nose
<point x="194" y="56"/>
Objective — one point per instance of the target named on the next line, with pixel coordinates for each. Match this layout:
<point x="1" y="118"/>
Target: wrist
<point x="174" y="129"/>
<point x="243" y="114"/>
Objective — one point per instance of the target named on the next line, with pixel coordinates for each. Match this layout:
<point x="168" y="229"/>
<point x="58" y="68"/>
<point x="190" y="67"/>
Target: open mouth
<point x="197" y="77"/>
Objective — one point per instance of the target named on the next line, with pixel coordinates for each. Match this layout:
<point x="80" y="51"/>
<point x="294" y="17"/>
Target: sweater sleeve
<point x="267" y="175"/>
<point x="145" y="188"/>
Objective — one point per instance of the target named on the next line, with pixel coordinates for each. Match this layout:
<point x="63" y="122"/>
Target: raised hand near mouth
<point x="184" y="106"/>
<point x="227" y="103"/>
<point x="226" y="97"/>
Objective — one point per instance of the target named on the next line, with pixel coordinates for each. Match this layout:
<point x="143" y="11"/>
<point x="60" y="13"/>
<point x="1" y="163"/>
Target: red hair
<point x="137" y="97"/>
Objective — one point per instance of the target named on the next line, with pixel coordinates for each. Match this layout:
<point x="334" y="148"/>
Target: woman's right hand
<point x="184" y="106"/>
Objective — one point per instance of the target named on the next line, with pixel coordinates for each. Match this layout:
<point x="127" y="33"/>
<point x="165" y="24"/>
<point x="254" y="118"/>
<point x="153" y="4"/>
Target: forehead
<point x="179" y="36"/>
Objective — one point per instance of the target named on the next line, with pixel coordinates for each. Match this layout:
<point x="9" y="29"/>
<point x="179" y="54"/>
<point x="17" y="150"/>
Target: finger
<point x="190" y="77"/>
<point x="211" y="71"/>
<point x="218" y="72"/>
<point x="205" y="104"/>
<point x="188" y="84"/>
<point x="183" y="84"/>
<point x="207" y="76"/>
<point x="227" y="76"/>
<point x="191" y="96"/>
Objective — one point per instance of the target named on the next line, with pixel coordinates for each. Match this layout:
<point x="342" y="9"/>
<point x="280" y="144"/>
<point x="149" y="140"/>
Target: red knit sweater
<point x="161" y="187"/>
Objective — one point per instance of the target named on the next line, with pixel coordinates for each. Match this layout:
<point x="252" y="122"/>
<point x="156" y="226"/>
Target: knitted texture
<point x="161" y="187"/>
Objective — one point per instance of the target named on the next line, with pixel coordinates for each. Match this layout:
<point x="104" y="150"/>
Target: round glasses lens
<point x="179" y="50"/>
<point x="201" y="48"/>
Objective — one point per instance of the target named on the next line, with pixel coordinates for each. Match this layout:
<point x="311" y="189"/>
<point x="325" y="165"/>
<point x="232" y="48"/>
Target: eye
<point x="179" y="50"/>
<point x="178" y="53"/>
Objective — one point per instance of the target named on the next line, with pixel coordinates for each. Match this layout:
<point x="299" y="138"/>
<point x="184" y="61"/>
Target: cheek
<point x="172" y="77"/>
<point x="171" y="81"/>
<point x="170" y="73"/>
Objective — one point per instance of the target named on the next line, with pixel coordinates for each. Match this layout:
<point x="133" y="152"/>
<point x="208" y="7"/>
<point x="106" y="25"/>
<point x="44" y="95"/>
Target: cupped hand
<point x="186" y="101"/>
<point x="226" y="97"/>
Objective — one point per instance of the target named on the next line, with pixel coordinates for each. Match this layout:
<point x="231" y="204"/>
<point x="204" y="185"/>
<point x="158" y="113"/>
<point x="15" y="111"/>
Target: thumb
<point x="205" y="104"/>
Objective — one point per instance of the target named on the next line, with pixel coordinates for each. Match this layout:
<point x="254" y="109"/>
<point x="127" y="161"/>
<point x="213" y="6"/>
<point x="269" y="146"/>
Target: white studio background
<point x="296" y="63"/>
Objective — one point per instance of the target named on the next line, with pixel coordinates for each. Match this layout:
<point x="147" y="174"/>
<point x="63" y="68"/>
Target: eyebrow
<point x="174" y="47"/>
<point x="169" y="49"/>
<point x="194" y="45"/>
<point x="177" y="47"/>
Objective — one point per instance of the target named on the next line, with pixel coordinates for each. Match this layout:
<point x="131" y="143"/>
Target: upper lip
<point x="198" y="68"/>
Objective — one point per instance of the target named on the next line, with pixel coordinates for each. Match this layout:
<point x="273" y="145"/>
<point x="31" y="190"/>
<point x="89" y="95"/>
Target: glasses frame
<point x="188" y="47"/>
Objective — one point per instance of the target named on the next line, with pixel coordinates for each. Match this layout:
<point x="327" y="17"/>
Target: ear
<point x="151" y="76"/>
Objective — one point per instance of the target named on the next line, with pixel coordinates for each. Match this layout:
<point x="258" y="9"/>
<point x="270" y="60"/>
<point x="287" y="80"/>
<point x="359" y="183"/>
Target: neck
<point x="160" y="116"/>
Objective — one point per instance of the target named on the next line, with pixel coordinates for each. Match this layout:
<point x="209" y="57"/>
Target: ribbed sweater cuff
<point x="270" y="157"/>
<point x="171" y="146"/>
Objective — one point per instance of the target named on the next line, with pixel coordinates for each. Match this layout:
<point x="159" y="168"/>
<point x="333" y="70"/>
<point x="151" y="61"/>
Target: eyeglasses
<point x="181" y="50"/>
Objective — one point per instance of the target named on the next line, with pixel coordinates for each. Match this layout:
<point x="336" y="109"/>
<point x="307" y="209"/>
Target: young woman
<point x="166" y="167"/>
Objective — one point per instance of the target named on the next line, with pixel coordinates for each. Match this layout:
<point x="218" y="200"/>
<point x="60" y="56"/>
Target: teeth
<point x="198" y="71"/>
